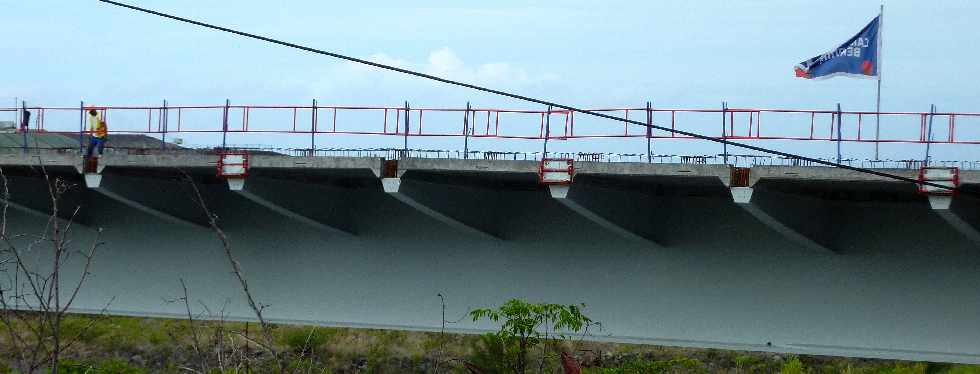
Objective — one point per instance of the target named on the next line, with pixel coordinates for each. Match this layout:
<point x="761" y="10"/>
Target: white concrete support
<point x="393" y="187"/>
<point x="560" y="194"/>
<point x="80" y="167"/>
<point x="743" y="198"/>
<point x="237" y="185"/>
<point x="94" y="182"/>
<point x="943" y="205"/>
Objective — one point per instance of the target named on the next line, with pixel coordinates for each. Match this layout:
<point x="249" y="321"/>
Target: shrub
<point x="674" y="365"/>
<point x="745" y="361"/>
<point x="964" y="369"/>
<point x="106" y="367"/>
<point x="299" y="338"/>
<point x="794" y="366"/>
<point x="521" y="324"/>
<point x="490" y="354"/>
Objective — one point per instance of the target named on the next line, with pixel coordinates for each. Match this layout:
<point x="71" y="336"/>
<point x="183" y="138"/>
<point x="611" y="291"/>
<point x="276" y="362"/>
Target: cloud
<point x="382" y="58"/>
<point x="500" y="71"/>
<point x="445" y="63"/>
<point x="444" y="60"/>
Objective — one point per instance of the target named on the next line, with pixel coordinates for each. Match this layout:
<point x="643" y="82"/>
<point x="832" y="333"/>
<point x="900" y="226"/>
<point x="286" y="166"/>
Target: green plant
<point x="794" y="366"/>
<point x="106" y="367"/>
<point x="304" y="366"/>
<point x="743" y="362"/>
<point x="490" y="353"/>
<point x="908" y="369"/>
<point x="674" y="365"/>
<point x="303" y="340"/>
<point x="522" y="323"/>
<point x="118" y="367"/>
<point x="964" y="369"/>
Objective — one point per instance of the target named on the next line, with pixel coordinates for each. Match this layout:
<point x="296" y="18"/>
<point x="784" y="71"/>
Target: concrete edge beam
<point x="743" y="198"/>
<point x="94" y="182"/>
<point x="35" y="158"/>
<point x="456" y="165"/>
<point x="822" y="173"/>
<point x="560" y="194"/>
<point x="722" y="172"/>
<point x="160" y="161"/>
<point x="969" y="176"/>
<point x="237" y="185"/>
<point x="942" y="205"/>
<point x="325" y="162"/>
<point x="392" y="186"/>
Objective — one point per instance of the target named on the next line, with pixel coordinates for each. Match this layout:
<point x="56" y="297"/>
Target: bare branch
<point x="196" y="343"/>
<point x="34" y="322"/>
<point x="6" y="203"/>
<point x="19" y="260"/>
<point x="85" y="271"/>
<point x="257" y="308"/>
<point x="103" y="312"/>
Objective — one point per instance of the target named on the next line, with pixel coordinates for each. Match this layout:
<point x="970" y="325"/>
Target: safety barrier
<point x="732" y="123"/>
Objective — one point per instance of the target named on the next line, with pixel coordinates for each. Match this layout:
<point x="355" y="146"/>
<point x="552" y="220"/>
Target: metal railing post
<point x="313" y="120"/>
<point x="224" y="126"/>
<point x="878" y="123"/>
<point x="17" y="121"/>
<point x="547" y="133"/>
<point x="932" y="112"/>
<point x="724" y="131"/>
<point x="649" y="132"/>
<point x="405" y="144"/>
<point x="163" y="115"/>
<point x="839" y="123"/>
<point x="81" y="128"/>
<point x="26" y="117"/>
<point x="466" y="132"/>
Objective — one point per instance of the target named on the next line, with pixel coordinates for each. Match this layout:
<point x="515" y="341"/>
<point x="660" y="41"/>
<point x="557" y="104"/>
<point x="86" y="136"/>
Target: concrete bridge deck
<point x="800" y="259"/>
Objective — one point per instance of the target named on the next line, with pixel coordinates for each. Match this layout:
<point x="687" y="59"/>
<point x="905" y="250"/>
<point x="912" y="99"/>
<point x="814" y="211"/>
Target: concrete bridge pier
<point x="463" y="208"/>
<point x="961" y="214"/>
<point x="30" y="194"/>
<point x="166" y="199"/>
<point x="588" y="202"/>
<point x="329" y="210"/>
<point x="801" y="220"/>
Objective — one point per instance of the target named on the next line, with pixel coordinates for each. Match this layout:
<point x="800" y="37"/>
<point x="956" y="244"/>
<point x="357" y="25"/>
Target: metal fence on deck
<point x="297" y="126"/>
<point x="739" y="124"/>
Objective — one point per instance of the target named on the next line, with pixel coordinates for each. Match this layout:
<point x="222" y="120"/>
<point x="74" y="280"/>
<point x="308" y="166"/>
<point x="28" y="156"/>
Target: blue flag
<point x="857" y="57"/>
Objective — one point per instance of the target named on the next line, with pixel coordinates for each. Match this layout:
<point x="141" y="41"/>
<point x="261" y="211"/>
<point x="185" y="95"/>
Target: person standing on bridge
<point x="98" y="131"/>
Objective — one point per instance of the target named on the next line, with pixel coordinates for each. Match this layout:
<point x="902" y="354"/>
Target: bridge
<point x="719" y="251"/>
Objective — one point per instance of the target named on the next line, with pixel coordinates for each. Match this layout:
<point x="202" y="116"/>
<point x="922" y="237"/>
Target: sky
<point x="677" y="54"/>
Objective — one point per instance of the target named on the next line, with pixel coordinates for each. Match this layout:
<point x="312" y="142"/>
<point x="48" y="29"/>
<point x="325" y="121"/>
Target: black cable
<point x="526" y="98"/>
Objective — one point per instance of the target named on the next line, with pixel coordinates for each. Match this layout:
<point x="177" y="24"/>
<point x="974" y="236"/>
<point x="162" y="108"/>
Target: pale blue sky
<point x="592" y="54"/>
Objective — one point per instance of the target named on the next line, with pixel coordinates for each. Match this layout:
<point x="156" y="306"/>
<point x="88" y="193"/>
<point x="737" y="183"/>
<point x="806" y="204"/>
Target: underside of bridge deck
<point x="664" y="254"/>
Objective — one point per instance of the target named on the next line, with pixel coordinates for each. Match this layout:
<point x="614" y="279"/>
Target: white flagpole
<point x="881" y="23"/>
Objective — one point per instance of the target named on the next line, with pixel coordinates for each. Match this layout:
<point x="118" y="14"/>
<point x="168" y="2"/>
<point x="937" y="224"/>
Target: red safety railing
<point x="735" y="124"/>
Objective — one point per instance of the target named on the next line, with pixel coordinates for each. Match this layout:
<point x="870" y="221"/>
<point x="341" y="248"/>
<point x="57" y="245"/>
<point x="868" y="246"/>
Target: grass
<point x="129" y="345"/>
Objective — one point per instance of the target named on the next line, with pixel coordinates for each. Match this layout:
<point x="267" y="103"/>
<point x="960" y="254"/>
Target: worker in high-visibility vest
<point x="98" y="132"/>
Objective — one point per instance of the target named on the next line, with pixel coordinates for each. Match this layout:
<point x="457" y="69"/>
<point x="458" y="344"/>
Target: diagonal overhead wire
<point x="525" y="98"/>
